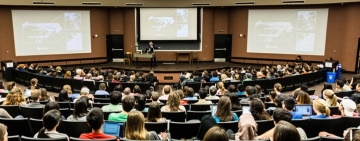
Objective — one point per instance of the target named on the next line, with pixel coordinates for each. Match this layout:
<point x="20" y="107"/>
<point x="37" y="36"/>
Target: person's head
<point x="289" y="103"/>
<point x="137" y="129"/>
<point x="330" y="95"/>
<point x="154" y="96"/>
<point x="278" y="87"/>
<point x="216" y="133"/>
<point x="348" y="107"/>
<point x="320" y="108"/>
<point x="3" y="132"/>
<point x="304" y="88"/>
<point x="220" y="85"/>
<point x="180" y="93"/>
<point x="84" y="91"/>
<point x="173" y="101"/>
<point x="80" y="108"/>
<point x="235" y="103"/>
<point x="189" y="92"/>
<point x="49" y="106"/>
<point x="224" y="109"/>
<point x="67" y="88"/>
<point x="43" y="93"/>
<point x="51" y="119"/>
<point x="278" y="100"/>
<point x="118" y="88"/>
<point x="115" y="97"/>
<point x="102" y="86"/>
<point x="232" y="88"/>
<point x="141" y="101"/>
<point x="281" y="114"/>
<point x="127" y="91"/>
<point x="257" y="109"/>
<point x="240" y="87"/>
<point x="33" y="83"/>
<point x="206" y="123"/>
<point x="10" y="85"/>
<point x="202" y="93"/>
<point x="303" y="98"/>
<point x="167" y="89"/>
<point x="154" y="112"/>
<point x="353" y="134"/>
<point x="250" y="90"/>
<point x="340" y="84"/>
<point x="272" y="96"/>
<point x="63" y="95"/>
<point x="95" y="118"/>
<point x="35" y="95"/>
<point x="212" y="90"/>
<point x="128" y="103"/>
<point x="151" y="43"/>
<point x="137" y="89"/>
<point x="285" y="131"/>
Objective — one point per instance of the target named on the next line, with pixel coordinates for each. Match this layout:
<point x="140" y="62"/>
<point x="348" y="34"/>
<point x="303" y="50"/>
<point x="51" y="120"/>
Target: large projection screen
<point x="46" y="32"/>
<point x="287" y="31"/>
<point x="168" y="24"/>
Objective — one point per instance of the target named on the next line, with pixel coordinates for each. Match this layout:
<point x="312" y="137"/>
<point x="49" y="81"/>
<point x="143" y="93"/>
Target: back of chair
<point x="13" y="110"/>
<point x="100" y="105"/>
<point x="204" y="84"/>
<point x="25" y="138"/>
<point x="175" y="116"/>
<point x="101" y="100"/>
<point x="312" y="139"/>
<point x="197" y="115"/>
<point x="77" y="85"/>
<point x="311" y="92"/>
<point x="77" y="139"/>
<point x="264" y="125"/>
<point x="65" y="104"/>
<point x="237" y="112"/>
<point x="194" y="85"/>
<point x="14" y="138"/>
<point x="156" y="126"/>
<point x="90" y="85"/>
<point x="346" y="123"/>
<point x="107" y="113"/>
<point x="331" y="139"/>
<point x="32" y="112"/>
<point x="200" y="107"/>
<point x="316" y="125"/>
<point x="334" y="110"/>
<point x="233" y="125"/>
<point x="36" y="125"/>
<point x="76" y="128"/>
<point x="101" y="96"/>
<point x="17" y="126"/>
<point x="112" y="85"/>
<point x="143" y="86"/>
<point x="302" y="123"/>
<point x="186" y="130"/>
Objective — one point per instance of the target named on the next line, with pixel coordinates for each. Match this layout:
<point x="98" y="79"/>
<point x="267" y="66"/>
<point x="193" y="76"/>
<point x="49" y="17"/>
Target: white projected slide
<point x="168" y="24"/>
<point x="287" y="31"/>
<point x="44" y="32"/>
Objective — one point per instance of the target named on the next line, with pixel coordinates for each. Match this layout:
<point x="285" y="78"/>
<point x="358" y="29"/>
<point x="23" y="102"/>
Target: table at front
<point x="146" y="55"/>
<point x="184" y="54"/>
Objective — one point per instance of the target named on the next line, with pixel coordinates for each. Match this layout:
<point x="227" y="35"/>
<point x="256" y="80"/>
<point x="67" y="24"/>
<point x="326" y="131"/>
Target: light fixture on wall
<point x="95" y="36"/>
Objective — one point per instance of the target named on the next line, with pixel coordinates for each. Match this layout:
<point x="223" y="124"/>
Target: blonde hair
<point x="14" y="97"/>
<point x="278" y="87"/>
<point x="67" y="88"/>
<point x="223" y="77"/>
<point x="221" y="86"/>
<point x="330" y="94"/>
<point x="173" y="102"/>
<point x="137" y="129"/>
<point x="319" y="105"/>
<point x="33" y="83"/>
<point x="67" y="74"/>
<point x="167" y="89"/>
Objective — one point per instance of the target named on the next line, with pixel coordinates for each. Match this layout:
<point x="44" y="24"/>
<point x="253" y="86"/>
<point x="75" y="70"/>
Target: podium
<point x="146" y="55"/>
<point x="329" y="65"/>
<point x="7" y="68"/>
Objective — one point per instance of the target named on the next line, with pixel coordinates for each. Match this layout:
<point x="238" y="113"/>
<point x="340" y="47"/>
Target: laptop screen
<point x="213" y="109"/>
<point x="246" y="110"/>
<point x="305" y="110"/>
<point x="113" y="128"/>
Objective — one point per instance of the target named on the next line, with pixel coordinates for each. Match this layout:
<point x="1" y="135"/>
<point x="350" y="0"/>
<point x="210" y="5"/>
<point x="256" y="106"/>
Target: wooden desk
<point x="145" y="55"/>
<point x="183" y="54"/>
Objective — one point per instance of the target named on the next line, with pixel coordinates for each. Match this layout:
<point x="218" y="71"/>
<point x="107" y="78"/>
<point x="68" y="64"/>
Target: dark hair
<point x="240" y="87"/>
<point x="206" y="123"/>
<point x="235" y="103"/>
<point x="115" y="97"/>
<point x="63" y="96"/>
<point x="128" y="103"/>
<point x="1" y="85"/>
<point x="289" y="103"/>
<point x="223" y="111"/>
<point x="326" y="86"/>
<point x="202" y="93"/>
<point x="281" y="114"/>
<point x="50" y="120"/>
<point x="141" y="100"/>
<point x="250" y="90"/>
<point x="212" y="90"/>
<point x="304" y="87"/>
<point x="49" y="106"/>
<point x="95" y="118"/>
<point x="153" y="112"/>
<point x="231" y="88"/>
<point x="118" y="88"/>
<point x="340" y="83"/>
<point x="257" y="109"/>
<point x="216" y="133"/>
<point x="80" y="108"/>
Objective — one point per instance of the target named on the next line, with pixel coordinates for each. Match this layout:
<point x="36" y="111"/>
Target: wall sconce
<point x="95" y="36"/>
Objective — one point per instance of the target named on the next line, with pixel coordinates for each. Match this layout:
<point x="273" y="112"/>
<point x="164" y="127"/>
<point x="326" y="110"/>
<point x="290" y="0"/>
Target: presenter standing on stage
<point x="151" y="48"/>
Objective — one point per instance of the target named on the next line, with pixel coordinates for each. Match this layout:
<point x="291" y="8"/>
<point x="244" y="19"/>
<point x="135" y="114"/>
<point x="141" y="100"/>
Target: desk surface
<point x="152" y="55"/>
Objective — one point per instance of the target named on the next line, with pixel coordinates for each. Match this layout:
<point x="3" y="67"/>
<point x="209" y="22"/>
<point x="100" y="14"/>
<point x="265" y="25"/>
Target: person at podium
<point x="151" y="49"/>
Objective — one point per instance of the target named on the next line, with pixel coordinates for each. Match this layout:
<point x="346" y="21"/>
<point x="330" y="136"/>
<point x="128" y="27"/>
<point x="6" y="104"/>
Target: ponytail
<point x="333" y="100"/>
<point x="41" y="133"/>
<point x="327" y="111"/>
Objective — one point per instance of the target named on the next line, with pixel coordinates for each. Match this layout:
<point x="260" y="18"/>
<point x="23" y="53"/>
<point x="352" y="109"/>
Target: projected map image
<point x="306" y="20"/>
<point x="273" y="31"/>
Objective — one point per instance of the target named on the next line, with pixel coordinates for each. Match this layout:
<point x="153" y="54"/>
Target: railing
<point x="77" y="61"/>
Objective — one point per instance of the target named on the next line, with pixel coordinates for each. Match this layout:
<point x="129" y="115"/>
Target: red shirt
<point x="95" y="136"/>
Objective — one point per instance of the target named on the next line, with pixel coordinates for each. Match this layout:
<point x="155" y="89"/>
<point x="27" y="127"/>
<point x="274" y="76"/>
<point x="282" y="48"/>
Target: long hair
<point x="330" y="94"/>
<point x="141" y="100"/>
<point x="154" y="112"/>
<point x="216" y="133"/>
<point x="235" y="103"/>
<point x="80" y="109"/>
<point x="3" y="130"/>
<point x="285" y="131"/>
<point x="206" y="123"/>
<point x="223" y="111"/>
<point x="221" y="86"/>
<point x="63" y="96"/>
<point x="257" y="109"/>
<point x="44" y="95"/>
<point x="137" y="129"/>
<point x="319" y="105"/>
<point x="14" y="97"/>
<point x="278" y="87"/>
<point x="33" y="83"/>
<point x="173" y="102"/>
<point x="303" y="98"/>
<point x="50" y="120"/>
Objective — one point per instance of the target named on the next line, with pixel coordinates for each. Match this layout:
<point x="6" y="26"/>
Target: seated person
<point x="80" y="110"/>
<point x="85" y="92"/>
<point x="340" y="86"/>
<point x="241" y="89"/>
<point x="223" y="111"/>
<point x="128" y="103"/>
<point x="165" y="92"/>
<point x="35" y="96"/>
<point x="347" y="108"/>
<point x="115" y="98"/>
<point x="250" y="93"/>
<point x="189" y="94"/>
<point x="356" y="96"/>
<point x="281" y="114"/>
<point x="127" y="92"/>
<point x="95" y="120"/>
<point x="320" y="109"/>
<point x="51" y="121"/>
<point x="202" y="95"/>
<point x="289" y="105"/>
<point x="102" y="90"/>
<point x="212" y="92"/>
<point x="155" y="96"/>
<point x="173" y="104"/>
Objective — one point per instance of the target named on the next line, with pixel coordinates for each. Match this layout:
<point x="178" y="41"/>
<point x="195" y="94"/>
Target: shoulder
<point x="153" y="136"/>
<point x="236" y="118"/>
<point x="216" y="118"/>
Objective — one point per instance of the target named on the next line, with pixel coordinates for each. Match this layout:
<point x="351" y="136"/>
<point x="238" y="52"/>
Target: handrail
<point x="272" y="60"/>
<point x="62" y="60"/>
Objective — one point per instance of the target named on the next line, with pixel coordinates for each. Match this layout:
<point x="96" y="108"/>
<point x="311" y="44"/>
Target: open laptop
<point x="305" y="110"/>
<point x="114" y="128"/>
<point x="246" y="110"/>
<point x="213" y="109"/>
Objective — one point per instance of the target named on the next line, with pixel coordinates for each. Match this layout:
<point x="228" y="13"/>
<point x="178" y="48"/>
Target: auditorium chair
<point x="14" y="138"/>
<point x="76" y="128"/>
<point x="316" y="125"/>
<point x="264" y="125"/>
<point x="65" y="112"/>
<point x="196" y="115"/>
<point x="40" y="81"/>
<point x="36" y="125"/>
<point x="175" y="116"/>
<point x="101" y="96"/>
<point x="334" y="110"/>
<point x="143" y="86"/>
<point x="76" y="85"/>
<point x="233" y="125"/>
<point x="158" y="127"/>
<point x="101" y="100"/>
<point x="297" y="81"/>
<point x="48" y="84"/>
<point x="129" y="84"/>
<point x="3" y="95"/>
<point x="77" y="139"/>
<point x="17" y="126"/>
<point x="302" y="123"/>
<point x="204" y="84"/>
<point x="32" y="112"/>
<point x="195" y="85"/>
<point x="90" y="84"/>
<point x="311" y="92"/>
<point x="347" y="122"/>
<point x="269" y="85"/>
<point x="344" y="94"/>
<point x="25" y="138"/>
<point x="269" y="104"/>
<point x="100" y="105"/>
<point x="331" y="139"/>
<point x="64" y="104"/>
<point x="312" y="139"/>
<point x="184" y="130"/>
<point x="107" y="113"/>
<point x="249" y="83"/>
<point x="13" y="110"/>
<point x="200" y="107"/>
<point x="57" y="83"/>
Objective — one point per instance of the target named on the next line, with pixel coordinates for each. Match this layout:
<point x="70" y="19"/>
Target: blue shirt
<point x="318" y="116"/>
<point x="74" y="96"/>
<point x="214" y="79"/>
<point x="101" y="92"/>
<point x="240" y="93"/>
<point x="296" y="115"/>
<point x="236" y="118"/>
<point x="190" y="98"/>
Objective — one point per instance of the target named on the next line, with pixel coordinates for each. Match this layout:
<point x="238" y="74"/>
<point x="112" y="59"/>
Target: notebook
<point x="305" y="110"/>
<point x="213" y="109"/>
<point x="246" y="110"/>
<point x="113" y="128"/>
